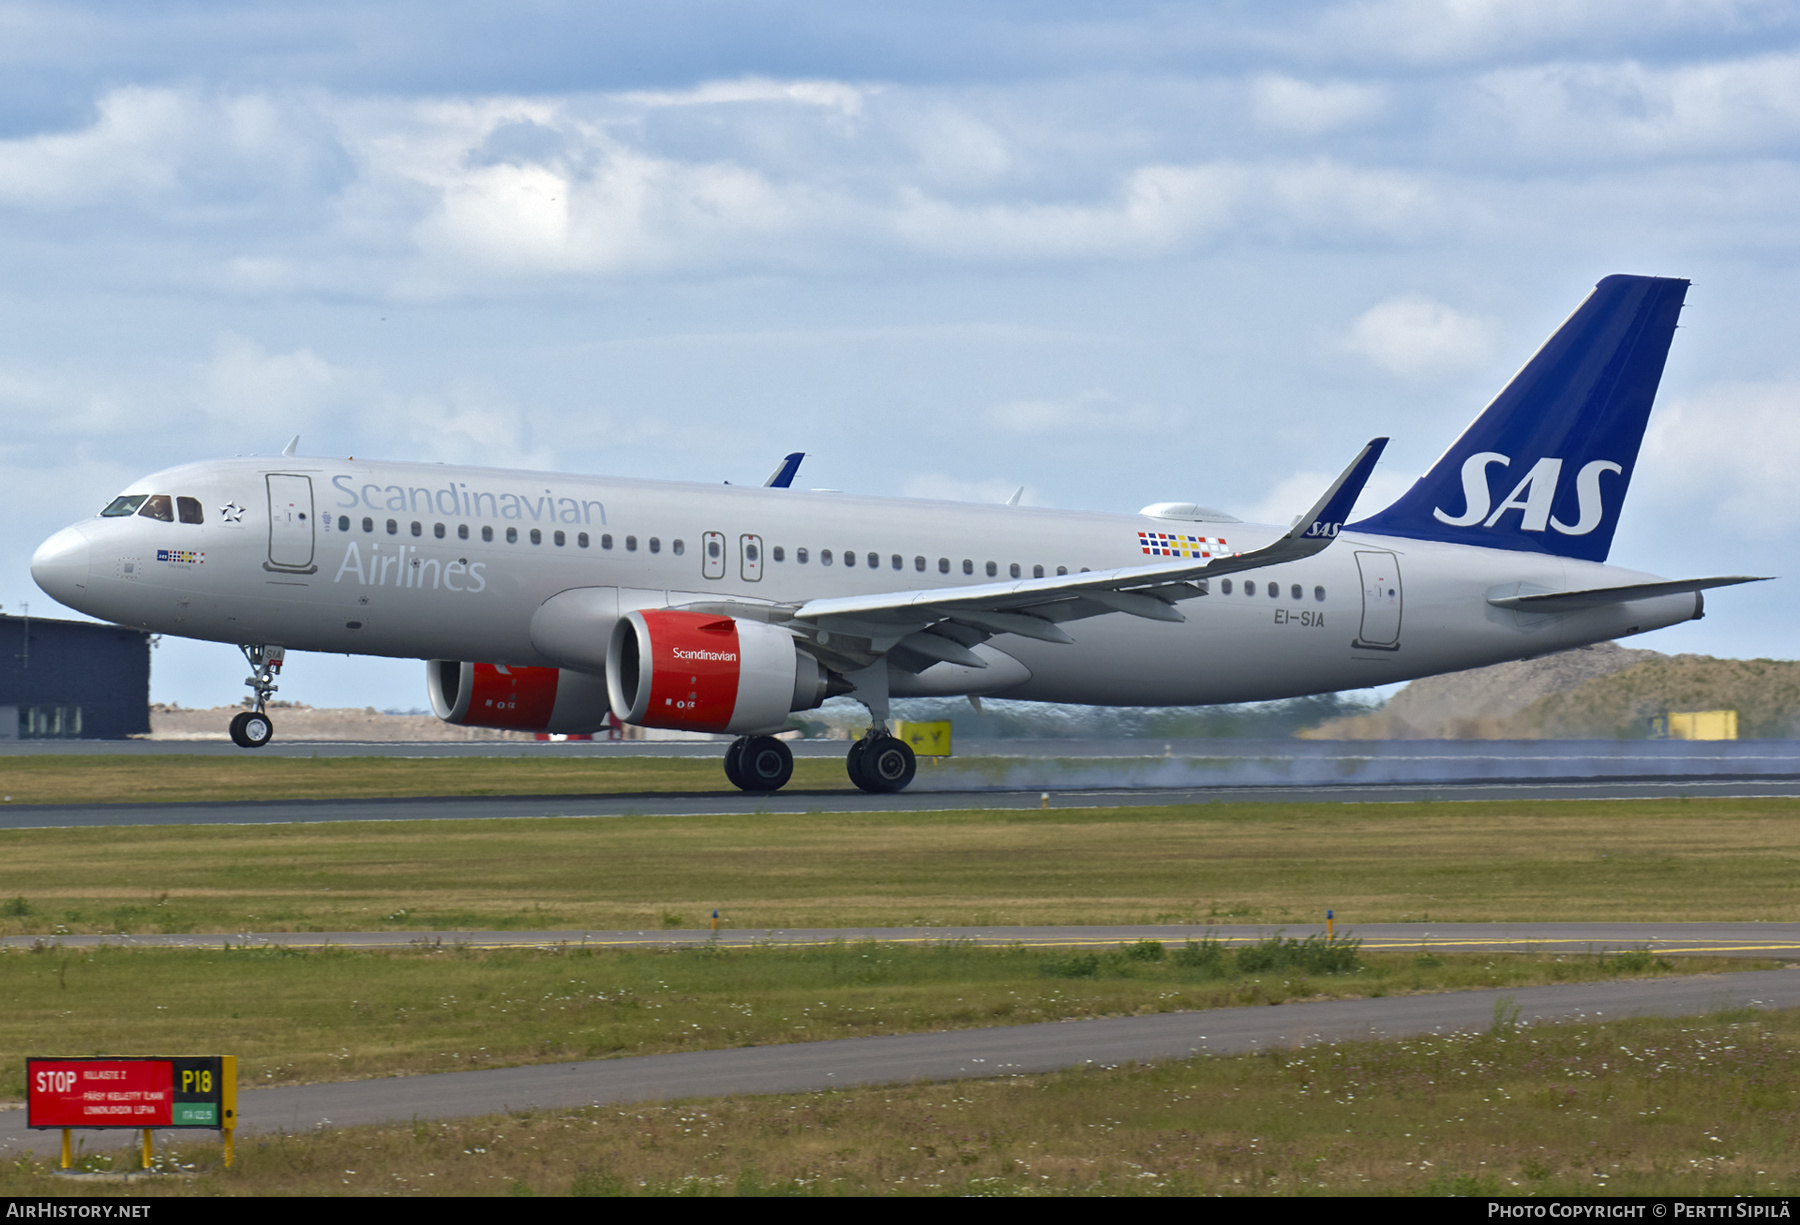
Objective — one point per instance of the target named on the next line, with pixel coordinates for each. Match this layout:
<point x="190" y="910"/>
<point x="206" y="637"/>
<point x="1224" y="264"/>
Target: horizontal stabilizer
<point x="1598" y="597"/>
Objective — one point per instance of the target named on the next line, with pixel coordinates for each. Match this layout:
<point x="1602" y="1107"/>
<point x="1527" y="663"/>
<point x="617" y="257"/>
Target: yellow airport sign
<point x="1703" y="725"/>
<point x="926" y="739"/>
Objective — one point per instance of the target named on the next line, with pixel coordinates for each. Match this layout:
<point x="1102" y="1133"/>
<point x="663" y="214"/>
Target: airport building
<point x="72" y="680"/>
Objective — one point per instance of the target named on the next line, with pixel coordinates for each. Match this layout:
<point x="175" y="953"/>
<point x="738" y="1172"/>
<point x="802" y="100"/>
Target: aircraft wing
<point x="940" y="624"/>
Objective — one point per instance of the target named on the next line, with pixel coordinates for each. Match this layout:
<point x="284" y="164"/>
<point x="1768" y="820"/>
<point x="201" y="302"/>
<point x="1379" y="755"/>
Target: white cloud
<point x="945" y="488"/>
<point x="1302" y="108"/>
<point x="1610" y="110"/>
<point x="246" y="382"/>
<point x="1729" y="453"/>
<point x="1294" y="495"/>
<point x="833" y="95"/>
<point x="1452" y="31"/>
<point x="1415" y="337"/>
<point x="1090" y="412"/>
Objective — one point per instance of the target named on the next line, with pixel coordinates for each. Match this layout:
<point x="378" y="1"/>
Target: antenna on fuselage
<point x="293" y="443"/>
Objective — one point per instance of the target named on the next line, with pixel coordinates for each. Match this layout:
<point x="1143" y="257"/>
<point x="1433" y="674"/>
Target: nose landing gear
<point x="252" y="729"/>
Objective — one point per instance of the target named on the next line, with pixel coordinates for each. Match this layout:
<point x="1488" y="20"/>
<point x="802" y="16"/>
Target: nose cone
<point x="60" y="566"/>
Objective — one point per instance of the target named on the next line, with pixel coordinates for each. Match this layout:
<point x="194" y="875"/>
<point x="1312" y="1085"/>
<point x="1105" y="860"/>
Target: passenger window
<point x="875" y="561"/>
<point x="1037" y="572"/>
<point x="1014" y="570"/>
<point x="418" y="528"/>
<point x="919" y="564"/>
<point x="1319" y="594"/>
<point x="779" y="553"/>
<point x="393" y="528"/>
<point x="898" y="562"/>
<point x="655" y="545"/>
<point x="512" y="535"/>
<point x="368" y="524"/>
<point x="849" y="557"/>
<point x="631" y="544"/>
<point x="1225" y="586"/>
<point x="1297" y="593"/>
<point x="462" y="531"/>
<point x="714" y="548"/>
<point x="1250" y="587"/>
<point x="159" y="506"/>
<point x="487" y="534"/>
<point x="943" y="565"/>
<point x="606" y="540"/>
<point x="1062" y="570"/>
<point x="1274" y="591"/>
<point x="537" y="537"/>
<point x="677" y="547"/>
<point x="968" y="566"/>
<point x="124" y="504"/>
<point x="189" y="511"/>
<point x="581" y="540"/>
<point x="824" y="557"/>
<point x="559" y="539"/>
<point x="438" y="530"/>
<point x="992" y="569"/>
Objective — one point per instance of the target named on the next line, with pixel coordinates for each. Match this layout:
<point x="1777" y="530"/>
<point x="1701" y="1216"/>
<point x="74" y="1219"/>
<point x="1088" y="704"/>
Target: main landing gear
<point x="881" y="763"/>
<point x="759" y="763"/>
<point x="252" y="729"/>
<point x="878" y="762"/>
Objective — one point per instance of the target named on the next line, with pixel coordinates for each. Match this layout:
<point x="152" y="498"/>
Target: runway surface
<point x="1777" y="940"/>
<point x="795" y="801"/>
<point x="961" y="1054"/>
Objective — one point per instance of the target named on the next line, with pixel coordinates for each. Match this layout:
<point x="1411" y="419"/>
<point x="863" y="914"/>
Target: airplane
<point x="543" y="602"/>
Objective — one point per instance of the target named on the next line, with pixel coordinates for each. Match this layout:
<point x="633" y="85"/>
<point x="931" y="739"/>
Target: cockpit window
<point x="124" y="504"/>
<point x="189" y="510"/>
<point x="159" y="506"/>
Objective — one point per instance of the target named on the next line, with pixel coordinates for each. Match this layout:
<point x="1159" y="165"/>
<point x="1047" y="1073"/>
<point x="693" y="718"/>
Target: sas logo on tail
<point x="1532" y="497"/>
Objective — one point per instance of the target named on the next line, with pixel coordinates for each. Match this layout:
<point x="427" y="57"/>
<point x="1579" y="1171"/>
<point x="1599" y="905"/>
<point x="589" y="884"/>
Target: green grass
<point x="293" y="1016"/>
<point x="1666" y="860"/>
<point x="138" y="779"/>
<point x="1639" y="1107"/>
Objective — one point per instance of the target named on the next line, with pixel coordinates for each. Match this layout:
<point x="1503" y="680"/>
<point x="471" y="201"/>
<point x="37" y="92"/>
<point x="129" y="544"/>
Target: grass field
<point x="1641" y="1107"/>
<point x="340" y="1015"/>
<point x="138" y="779"/>
<point x="1546" y="860"/>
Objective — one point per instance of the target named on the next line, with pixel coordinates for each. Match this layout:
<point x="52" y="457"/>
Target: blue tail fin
<point x="1562" y="438"/>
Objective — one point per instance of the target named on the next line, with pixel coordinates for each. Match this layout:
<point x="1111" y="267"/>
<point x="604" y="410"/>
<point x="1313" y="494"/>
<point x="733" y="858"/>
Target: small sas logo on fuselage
<point x="187" y="556"/>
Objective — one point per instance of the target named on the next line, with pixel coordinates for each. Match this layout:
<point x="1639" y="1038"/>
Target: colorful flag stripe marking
<point x="1169" y="544"/>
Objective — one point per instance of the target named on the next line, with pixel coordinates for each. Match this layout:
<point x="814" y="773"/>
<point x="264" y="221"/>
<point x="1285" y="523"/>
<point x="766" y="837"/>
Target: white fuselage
<point x="438" y="562"/>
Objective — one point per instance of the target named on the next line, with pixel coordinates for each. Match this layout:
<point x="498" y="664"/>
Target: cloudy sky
<point x="1116" y="253"/>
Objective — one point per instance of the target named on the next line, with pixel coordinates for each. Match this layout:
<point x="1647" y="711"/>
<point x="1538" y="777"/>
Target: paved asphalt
<point x="959" y="1054"/>
<point x="793" y="801"/>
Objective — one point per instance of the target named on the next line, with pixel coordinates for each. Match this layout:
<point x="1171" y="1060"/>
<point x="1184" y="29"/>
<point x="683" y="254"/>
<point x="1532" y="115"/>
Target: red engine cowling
<point x="706" y="673"/>
<point x="518" y="699"/>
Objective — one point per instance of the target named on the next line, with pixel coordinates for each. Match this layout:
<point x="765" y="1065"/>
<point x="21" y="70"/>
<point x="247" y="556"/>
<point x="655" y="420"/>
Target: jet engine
<point x="707" y="673"/>
<point x="517" y="699"/>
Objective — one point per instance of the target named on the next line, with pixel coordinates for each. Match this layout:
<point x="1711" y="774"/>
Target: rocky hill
<point x="1599" y="692"/>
